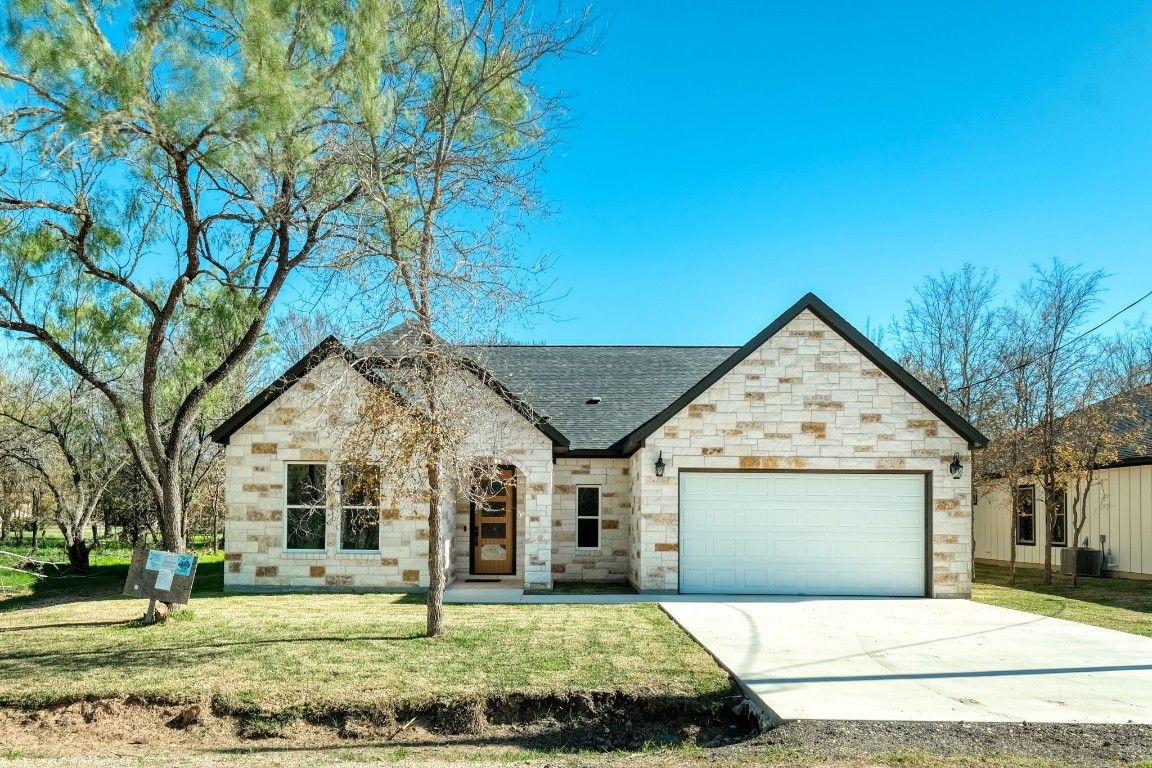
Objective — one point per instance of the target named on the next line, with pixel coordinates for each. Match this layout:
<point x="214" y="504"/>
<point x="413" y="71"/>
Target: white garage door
<point x="801" y="533"/>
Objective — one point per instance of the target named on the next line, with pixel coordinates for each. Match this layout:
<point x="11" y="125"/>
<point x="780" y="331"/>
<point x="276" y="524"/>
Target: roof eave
<point x="330" y="346"/>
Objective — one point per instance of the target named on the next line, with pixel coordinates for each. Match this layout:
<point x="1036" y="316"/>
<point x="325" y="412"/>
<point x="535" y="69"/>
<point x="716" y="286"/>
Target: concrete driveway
<point x="917" y="659"/>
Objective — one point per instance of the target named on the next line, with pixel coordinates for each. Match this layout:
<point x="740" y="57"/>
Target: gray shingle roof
<point x="639" y="388"/>
<point x="1138" y="425"/>
<point x="634" y="384"/>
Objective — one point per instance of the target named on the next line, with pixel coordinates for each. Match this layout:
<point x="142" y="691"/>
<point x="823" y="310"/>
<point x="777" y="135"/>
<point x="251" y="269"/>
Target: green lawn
<point x="1121" y="604"/>
<point x="109" y="563"/>
<point x="65" y="639"/>
<point x="279" y="652"/>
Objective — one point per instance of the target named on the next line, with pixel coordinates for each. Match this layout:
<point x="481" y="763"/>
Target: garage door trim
<point x="926" y="474"/>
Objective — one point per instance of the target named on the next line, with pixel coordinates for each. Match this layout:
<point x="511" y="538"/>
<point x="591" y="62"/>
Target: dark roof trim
<point x="858" y="340"/>
<point x="1135" y="461"/>
<point x="560" y="443"/>
<point x="593" y="453"/>
<point x="332" y="346"/>
<point x="325" y="349"/>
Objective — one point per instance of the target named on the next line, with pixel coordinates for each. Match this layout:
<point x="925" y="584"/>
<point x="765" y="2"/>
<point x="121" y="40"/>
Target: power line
<point x="1053" y="351"/>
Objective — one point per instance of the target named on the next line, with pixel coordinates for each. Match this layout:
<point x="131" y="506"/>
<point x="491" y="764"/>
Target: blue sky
<point x="730" y="157"/>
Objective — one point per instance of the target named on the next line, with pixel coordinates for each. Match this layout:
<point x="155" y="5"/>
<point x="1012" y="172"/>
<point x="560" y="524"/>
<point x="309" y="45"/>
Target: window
<point x="588" y="517"/>
<point x="1060" y="518"/>
<point x="1026" y="515"/>
<point x="360" y="508"/>
<point x="304" y="511"/>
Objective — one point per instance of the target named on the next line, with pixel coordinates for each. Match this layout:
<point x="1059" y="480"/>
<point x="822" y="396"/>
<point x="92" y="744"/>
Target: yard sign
<point x="159" y="575"/>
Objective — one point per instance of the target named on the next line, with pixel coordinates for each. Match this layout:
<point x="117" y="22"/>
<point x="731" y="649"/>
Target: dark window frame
<point x="1063" y="517"/>
<point x="315" y="508"/>
<point x="583" y="520"/>
<point x="1030" y="490"/>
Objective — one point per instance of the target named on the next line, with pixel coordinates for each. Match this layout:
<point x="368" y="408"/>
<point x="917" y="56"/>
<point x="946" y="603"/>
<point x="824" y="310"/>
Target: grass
<point x="72" y="638"/>
<point x="109" y="562"/>
<point x="1121" y="604"/>
<point x="585" y="588"/>
<point x="278" y="652"/>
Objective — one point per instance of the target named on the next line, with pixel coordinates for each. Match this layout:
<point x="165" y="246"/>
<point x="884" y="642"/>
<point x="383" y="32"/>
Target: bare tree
<point x="445" y="259"/>
<point x="1128" y="358"/>
<point x="1008" y="458"/>
<point x="1060" y="300"/>
<point x="1089" y="439"/>
<point x="61" y="434"/>
<point x="948" y="338"/>
<point x="296" y="334"/>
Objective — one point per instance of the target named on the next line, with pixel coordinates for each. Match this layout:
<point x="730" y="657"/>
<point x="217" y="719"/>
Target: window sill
<point x="589" y="549"/>
<point x="359" y="552"/>
<point x="303" y="552"/>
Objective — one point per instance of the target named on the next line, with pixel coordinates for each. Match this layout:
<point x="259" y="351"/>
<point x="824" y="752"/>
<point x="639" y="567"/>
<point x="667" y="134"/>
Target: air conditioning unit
<point x="1088" y="562"/>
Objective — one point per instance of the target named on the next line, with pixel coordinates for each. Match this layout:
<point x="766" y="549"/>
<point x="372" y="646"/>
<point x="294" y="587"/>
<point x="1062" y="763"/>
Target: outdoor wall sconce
<point x="660" y="464"/>
<point x="956" y="468"/>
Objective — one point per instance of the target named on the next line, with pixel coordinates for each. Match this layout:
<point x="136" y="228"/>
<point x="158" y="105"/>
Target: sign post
<point x="160" y="576"/>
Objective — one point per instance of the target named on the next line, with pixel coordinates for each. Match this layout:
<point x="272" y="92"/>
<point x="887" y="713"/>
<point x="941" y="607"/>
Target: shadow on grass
<point x="1129" y="594"/>
<point x="104" y="581"/>
<point x="62" y="625"/>
<point x="140" y="656"/>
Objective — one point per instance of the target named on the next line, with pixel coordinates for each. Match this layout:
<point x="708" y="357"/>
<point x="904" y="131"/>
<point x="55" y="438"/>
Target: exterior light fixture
<point x="660" y="465"/>
<point x="956" y="468"/>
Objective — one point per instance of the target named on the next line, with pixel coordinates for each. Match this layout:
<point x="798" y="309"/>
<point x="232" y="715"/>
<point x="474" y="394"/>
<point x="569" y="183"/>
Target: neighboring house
<point x="1119" y="510"/>
<point x="804" y="462"/>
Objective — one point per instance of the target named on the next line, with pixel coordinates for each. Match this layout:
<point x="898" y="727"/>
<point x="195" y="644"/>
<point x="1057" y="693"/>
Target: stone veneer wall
<point x="307" y="423"/>
<point x="806" y="399"/>
<point x="609" y="562"/>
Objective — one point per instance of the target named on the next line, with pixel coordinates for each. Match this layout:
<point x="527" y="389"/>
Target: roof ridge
<point x="604" y="346"/>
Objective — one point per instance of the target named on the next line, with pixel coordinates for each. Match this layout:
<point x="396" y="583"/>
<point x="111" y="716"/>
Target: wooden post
<point x="150" y="617"/>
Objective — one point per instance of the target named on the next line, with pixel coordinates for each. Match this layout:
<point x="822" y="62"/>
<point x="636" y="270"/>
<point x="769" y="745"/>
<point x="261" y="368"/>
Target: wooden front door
<point x="494" y="526"/>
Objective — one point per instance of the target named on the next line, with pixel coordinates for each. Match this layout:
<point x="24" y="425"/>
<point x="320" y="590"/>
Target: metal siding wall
<point x="1120" y="507"/>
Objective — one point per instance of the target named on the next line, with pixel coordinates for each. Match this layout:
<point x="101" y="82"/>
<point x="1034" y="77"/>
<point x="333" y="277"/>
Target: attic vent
<point x="592" y="401"/>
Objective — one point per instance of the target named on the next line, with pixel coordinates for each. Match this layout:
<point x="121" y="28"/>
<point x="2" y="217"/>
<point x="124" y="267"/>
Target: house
<point x="1119" y="516"/>
<point x="804" y="462"/>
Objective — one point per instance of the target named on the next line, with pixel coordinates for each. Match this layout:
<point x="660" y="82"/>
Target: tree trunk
<point x="172" y="523"/>
<point x="1049" y="519"/>
<point x="78" y="551"/>
<point x="435" y="551"/>
<point x="35" y="535"/>
<point x="215" y="516"/>
<point x="1013" y="530"/>
<point x="1075" y="562"/>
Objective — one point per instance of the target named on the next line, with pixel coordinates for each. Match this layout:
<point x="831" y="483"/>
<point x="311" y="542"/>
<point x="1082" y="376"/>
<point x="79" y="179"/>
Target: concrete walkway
<point x="503" y="594"/>
<point x="917" y="659"/>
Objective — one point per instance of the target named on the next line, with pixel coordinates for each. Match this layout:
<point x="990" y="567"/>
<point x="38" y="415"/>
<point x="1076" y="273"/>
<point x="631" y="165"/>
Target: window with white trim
<point x="359" y="508"/>
<point x="305" y="510"/>
<point x="588" y="517"/>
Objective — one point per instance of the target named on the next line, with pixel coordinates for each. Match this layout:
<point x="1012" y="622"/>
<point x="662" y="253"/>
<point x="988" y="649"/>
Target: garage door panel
<point x="796" y="533"/>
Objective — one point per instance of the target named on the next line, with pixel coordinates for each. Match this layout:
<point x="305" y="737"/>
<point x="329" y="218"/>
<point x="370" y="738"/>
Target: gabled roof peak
<point x="812" y="303"/>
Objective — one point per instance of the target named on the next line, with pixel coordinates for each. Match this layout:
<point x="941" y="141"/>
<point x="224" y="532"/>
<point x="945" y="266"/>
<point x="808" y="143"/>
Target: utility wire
<point x="1053" y="351"/>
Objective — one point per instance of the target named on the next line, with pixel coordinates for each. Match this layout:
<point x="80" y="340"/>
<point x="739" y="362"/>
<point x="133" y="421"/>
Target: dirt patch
<point x="593" y="721"/>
